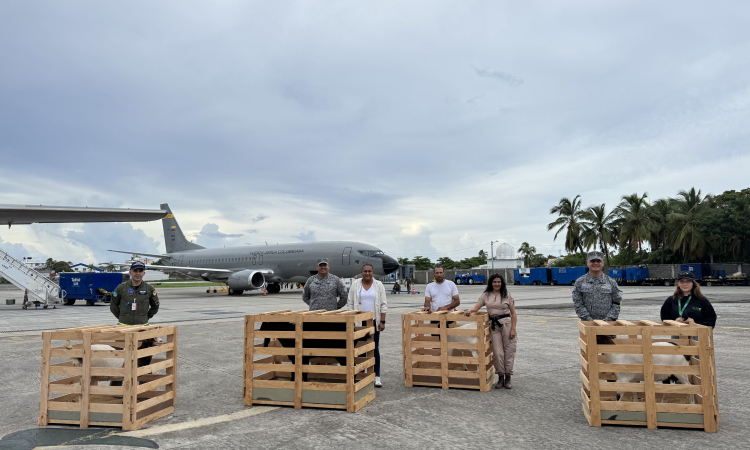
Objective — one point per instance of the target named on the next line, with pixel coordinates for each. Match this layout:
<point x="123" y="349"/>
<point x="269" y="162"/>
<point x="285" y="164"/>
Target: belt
<point x="496" y="321"/>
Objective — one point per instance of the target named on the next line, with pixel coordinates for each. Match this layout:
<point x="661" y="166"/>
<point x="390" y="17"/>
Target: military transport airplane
<point x="252" y="267"/>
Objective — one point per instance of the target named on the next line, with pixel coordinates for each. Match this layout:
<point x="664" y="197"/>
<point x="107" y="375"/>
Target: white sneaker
<point x="378" y="384"/>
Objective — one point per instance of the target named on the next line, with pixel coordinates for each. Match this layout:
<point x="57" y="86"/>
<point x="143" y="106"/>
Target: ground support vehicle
<point x="92" y="287"/>
<point x="469" y="278"/>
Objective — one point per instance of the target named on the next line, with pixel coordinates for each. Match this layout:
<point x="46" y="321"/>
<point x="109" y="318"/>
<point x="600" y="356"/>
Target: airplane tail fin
<point x="174" y="240"/>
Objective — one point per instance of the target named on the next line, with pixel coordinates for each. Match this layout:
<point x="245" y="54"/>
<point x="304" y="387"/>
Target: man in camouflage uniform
<point x="134" y="302"/>
<point x="596" y="296"/>
<point x="322" y="289"/>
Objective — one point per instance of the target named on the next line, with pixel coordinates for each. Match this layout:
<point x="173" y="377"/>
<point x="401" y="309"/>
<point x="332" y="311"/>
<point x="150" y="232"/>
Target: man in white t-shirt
<point x="441" y="294"/>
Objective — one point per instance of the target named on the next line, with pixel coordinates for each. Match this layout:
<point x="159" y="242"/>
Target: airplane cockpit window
<point x="371" y="252"/>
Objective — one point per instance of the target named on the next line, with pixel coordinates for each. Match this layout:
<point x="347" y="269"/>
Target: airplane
<point x="253" y="267"/>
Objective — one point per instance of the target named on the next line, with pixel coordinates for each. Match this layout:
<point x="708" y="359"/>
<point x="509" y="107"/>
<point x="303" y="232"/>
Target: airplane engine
<point x="246" y="280"/>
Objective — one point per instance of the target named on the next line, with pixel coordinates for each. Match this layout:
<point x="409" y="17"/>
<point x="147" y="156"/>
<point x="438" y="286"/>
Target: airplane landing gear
<point x="273" y="288"/>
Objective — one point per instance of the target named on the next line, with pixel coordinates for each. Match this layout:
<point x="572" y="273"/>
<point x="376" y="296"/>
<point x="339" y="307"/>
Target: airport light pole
<point x="492" y="253"/>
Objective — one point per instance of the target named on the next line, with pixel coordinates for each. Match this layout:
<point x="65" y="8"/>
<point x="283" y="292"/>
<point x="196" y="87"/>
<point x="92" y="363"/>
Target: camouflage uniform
<point x="143" y="297"/>
<point x="321" y="292"/>
<point x="597" y="298"/>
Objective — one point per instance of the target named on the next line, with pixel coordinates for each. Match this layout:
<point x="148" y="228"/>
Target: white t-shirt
<point x="367" y="298"/>
<point x="440" y="294"/>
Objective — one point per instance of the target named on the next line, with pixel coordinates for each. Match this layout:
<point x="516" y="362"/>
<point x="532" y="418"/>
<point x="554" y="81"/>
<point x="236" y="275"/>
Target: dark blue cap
<point x="137" y="265"/>
<point x="686" y="275"/>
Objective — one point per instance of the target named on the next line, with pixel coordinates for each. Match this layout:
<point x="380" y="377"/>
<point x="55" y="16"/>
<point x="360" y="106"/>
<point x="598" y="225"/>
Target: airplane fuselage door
<point x="346" y="257"/>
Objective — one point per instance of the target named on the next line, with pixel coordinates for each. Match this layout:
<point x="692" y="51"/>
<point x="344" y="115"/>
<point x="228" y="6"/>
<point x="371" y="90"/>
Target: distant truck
<point x="567" y="275"/>
<point x="703" y="275"/>
<point x="537" y="276"/>
<point x="469" y="278"/>
<point x="92" y="287"/>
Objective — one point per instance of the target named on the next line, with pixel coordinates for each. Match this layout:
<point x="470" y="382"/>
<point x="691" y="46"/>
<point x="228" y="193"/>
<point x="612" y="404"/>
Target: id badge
<point x="135" y="306"/>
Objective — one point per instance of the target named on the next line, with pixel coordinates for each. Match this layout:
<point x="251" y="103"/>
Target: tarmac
<point x="543" y="410"/>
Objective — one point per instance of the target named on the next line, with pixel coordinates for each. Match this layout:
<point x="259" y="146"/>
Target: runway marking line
<point x="254" y="411"/>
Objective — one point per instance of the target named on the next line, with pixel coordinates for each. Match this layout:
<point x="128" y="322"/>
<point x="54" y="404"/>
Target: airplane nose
<point x="389" y="264"/>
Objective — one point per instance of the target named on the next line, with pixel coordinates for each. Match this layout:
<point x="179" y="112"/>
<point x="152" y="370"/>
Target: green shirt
<point x="143" y="297"/>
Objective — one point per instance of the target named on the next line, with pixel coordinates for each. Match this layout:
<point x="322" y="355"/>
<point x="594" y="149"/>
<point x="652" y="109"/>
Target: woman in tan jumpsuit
<point x="502" y="313"/>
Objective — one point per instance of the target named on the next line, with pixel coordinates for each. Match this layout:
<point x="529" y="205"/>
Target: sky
<point x="424" y="127"/>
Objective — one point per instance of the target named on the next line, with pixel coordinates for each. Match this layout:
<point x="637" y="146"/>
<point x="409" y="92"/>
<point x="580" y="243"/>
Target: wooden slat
<point x="64" y="406"/>
<point x="164" y="379"/>
<point x="129" y="383"/>
<point x="623" y="406"/>
<point x="298" y="341"/>
<point x="45" y="373"/>
<point x="151" y="351"/>
<point x="444" y="350"/>
<point x="168" y="395"/>
<point x="153" y="367"/>
<point x="648" y="378"/>
<point x="86" y="380"/>
<point x="591" y="349"/>
<point x="350" y="366"/>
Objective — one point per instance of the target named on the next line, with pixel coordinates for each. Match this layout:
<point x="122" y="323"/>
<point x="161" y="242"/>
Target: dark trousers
<point x="377" y="352"/>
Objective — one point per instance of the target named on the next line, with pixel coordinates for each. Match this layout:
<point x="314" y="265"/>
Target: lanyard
<point x="680" y="308"/>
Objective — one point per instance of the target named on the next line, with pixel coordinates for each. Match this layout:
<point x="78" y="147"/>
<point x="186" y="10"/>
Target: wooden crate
<point x="348" y="387"/>
<point x="430" y="359"/>
<point x="600" y="405"/>
<point x="83" y="401"/>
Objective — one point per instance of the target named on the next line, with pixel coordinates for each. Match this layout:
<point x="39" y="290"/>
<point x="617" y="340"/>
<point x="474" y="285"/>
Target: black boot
<point x="500" y="381"/>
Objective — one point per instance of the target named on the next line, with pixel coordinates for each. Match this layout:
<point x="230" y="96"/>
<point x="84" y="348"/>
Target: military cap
<point x="595" y="255"/>
<point x="686" y="275"/>
<point x="322" y="261"/>
<point x="137" y="265"/>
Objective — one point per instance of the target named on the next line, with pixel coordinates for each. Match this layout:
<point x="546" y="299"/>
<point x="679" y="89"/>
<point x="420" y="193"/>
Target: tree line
<point x="690" y="227"/>
<point x="424" y="263"/>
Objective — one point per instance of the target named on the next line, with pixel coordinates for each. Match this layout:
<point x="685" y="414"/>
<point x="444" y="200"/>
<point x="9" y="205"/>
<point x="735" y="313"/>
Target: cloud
<point x="498" y="75"/>
<point x="415" y="240"/>
<point x="210" y="236"/>
<point x="94" y="240"/>
<point x="19" y="251"/>
<point x="306" y="236"/>
<point x="251" y="231"/>
<point x="259" y="217"/>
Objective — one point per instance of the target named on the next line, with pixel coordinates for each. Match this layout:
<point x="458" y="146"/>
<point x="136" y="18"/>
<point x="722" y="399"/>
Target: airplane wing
<point x="28" y="214"/>
<point x="193" y="271"/>
<point x="153" y="255"/>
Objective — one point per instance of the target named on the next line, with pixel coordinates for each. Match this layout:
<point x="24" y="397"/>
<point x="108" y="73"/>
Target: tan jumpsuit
<point x="503" y="347"/>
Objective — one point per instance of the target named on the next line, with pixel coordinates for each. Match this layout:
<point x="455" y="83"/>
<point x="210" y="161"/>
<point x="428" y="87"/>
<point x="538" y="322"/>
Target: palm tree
<point x="636" y="225"/>
<point x="569" y="213"/>
<point x="661" y="211"/>
<point x="599" y="228"/>
<point x="527" y="251"/>
<point x="687" y="237"/>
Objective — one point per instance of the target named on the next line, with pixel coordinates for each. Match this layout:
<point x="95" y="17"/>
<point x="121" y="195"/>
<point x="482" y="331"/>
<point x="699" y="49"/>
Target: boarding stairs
<point x="42" y="291"/>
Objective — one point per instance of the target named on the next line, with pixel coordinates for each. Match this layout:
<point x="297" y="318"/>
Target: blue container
<point x="700" y="271"/>
<point x="567" y="275"/>
<point x="537" y="276"/>
<point x="617" y="274"/>
<point x="633" y="274"/>
<point x="85" y="286"/>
